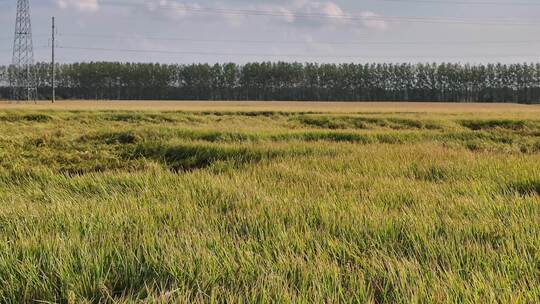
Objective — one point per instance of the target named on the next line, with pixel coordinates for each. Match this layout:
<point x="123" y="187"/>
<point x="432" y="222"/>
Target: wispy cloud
<point x="170" y="9"/>
<point x="82" y="5"/>
<point x="296" y="12"/>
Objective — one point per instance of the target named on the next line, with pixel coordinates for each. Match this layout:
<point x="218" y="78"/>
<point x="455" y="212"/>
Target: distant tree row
<point x="291" y="81"/>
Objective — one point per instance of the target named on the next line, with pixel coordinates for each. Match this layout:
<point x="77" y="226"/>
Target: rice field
<point x="269" y="202"/>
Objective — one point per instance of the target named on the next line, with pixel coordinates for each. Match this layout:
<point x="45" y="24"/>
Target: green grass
<point x="268" y="207"/>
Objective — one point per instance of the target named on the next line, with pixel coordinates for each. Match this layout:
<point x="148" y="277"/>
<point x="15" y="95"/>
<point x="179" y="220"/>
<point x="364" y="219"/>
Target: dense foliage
<point x="292" y="81"/>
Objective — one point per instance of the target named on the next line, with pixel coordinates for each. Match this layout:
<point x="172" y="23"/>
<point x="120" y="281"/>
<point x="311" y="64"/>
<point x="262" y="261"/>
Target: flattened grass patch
<point x="32" y="117"/>
<point x="403" y="123"/>
<point x="338" y="122"/>
<point x="126" y="137"/>
<point x="430" y="173"/>
<point x="506" y="124"/>
<point x="528" y="187"/>
<point x="324" y="136"/>
<point x="246" y="113"/>
<point x="186" y="157"/>
<point x="137" y="117"/>
<point x="359" y="122"/>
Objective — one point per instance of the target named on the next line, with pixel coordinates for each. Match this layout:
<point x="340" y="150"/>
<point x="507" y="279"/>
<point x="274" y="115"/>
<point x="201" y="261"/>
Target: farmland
<point x="269" y="202"/>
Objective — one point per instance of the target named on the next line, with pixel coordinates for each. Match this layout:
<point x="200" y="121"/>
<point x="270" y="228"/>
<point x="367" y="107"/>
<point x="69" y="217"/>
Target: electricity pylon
<point x="23" y="75"/>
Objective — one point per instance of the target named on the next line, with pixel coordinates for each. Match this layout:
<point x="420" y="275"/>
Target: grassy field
<point x="281" y="202"/>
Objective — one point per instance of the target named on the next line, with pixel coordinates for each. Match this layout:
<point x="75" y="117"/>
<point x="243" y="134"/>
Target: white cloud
<point x="171" y="9"/>
<point x="288" y="15"/>
<point x="83" y="5"/>
<point x="304" y="13"/>
<point x="373" y="21"/>
<point x="330" y="13"/>
<point x="309" y="13"/>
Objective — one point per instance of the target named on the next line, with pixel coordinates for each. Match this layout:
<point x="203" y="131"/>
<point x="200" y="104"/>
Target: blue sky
<point x="293" y="30"/>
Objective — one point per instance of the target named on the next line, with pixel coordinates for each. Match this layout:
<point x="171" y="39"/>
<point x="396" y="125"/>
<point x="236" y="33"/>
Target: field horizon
<point x="288" y="106"/>
<point x="241" y="202"/>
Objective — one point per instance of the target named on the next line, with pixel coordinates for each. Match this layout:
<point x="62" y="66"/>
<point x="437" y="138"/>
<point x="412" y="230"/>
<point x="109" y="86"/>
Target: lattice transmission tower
<point x="23" y="75"/>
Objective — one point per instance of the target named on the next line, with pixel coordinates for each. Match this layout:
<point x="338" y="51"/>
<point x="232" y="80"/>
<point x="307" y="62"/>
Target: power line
<point x="11" y="50"/>
<point x="350" y="17"/>
<point x="11" y="39"/>
<point x="462" y="42"/>
<point x="282" y="55"/>
<point x="195" y="53"/>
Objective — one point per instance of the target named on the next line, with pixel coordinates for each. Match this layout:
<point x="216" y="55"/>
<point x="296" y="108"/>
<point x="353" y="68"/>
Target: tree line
<point x="289" y="81"/>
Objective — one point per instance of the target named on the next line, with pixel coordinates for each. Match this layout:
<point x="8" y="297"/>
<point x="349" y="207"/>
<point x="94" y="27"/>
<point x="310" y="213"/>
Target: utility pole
<point x="23" y="77"/>
<point x="53" y="81"/>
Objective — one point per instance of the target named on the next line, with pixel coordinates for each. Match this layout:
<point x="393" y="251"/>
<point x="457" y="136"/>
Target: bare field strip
<point x="335" y="107"/>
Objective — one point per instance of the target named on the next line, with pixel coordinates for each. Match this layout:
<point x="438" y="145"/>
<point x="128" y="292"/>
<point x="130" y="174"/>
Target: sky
<point x="359" y="31"/>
